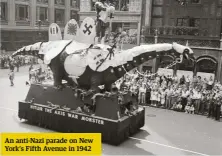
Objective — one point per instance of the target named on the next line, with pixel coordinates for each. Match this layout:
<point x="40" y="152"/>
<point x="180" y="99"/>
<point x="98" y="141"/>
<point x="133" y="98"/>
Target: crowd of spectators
<point x="7" y="62"/>
<point x="194" y="95"/>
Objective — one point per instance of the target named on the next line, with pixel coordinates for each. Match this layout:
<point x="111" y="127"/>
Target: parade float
<point x="80" y="105"/>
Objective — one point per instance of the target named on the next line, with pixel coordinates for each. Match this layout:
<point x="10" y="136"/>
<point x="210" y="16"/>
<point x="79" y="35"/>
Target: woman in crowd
<point x="142" y="94"/>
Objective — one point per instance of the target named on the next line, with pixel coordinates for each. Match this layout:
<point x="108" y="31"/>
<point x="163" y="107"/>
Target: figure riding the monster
<point x="103" y="11"/>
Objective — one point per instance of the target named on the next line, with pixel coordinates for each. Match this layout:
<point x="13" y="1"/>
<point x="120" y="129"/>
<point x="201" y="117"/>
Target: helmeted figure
<point x="103" y="11"/>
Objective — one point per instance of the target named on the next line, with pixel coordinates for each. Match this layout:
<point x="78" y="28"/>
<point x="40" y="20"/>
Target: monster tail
<point x="30" y="50"/>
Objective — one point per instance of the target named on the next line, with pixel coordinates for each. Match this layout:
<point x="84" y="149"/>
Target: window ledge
<point x="22" y="23"/>
<point x="4" y="22"/>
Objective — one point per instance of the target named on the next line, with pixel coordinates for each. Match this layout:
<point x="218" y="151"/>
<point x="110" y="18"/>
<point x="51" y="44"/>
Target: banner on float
<point x="54" y="32"/>
<point x="165" y="72"/>
<point x="71" y="30"/>
<point x="50" y="144"/>
<point x="205" y="75"/>
<point x="87" y="31"/>
<point x="186" y="73"/>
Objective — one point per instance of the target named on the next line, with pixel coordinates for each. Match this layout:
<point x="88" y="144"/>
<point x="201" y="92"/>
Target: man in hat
<point x="103" y="11"/>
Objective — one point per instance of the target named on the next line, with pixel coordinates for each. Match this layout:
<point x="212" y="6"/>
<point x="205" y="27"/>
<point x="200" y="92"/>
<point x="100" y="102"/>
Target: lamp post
<point x="155" y="59"/>
<point x="39" y="26"/>
<point x="156" y="36"/>
<point x="221" y="39"/>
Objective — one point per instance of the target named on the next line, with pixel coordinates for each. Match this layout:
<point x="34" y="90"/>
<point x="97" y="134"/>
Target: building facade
<point x="25" y="22"/>
<point x="197" y="23"/>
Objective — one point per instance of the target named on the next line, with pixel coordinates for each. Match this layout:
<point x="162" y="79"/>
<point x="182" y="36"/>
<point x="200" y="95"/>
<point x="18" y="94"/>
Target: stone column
<point x="51" y="11"/>
<point x="155" y="62"/>
<point x="148" y="12"/>
<point x="219" y="73"/>
<point x="33" y="12"/>
<point x="138" y="32"/>
<point x="67" y="11"/>
<point x="11" y="13"/>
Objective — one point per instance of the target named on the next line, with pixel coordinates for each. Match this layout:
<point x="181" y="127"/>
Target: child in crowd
<point x="177" y="106"/>
<point x="192" y="109"/>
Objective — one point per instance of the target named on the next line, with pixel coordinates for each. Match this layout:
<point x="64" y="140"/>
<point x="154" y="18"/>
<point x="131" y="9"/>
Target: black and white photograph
<point x="145" y="74"/>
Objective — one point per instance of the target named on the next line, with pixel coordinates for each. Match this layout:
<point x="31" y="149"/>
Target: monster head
<point x="184" y="52"/>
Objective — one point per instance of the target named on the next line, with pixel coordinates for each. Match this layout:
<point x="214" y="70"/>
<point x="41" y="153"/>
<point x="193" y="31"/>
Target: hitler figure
<point x="103" y="11"/>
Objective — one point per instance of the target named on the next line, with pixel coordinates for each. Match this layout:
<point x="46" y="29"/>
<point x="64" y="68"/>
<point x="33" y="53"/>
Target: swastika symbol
<point x="87" y="29"/>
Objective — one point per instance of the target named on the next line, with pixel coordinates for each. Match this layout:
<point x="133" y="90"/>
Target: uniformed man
<point x="218" y="109"/>
<point x="103" y="11"/>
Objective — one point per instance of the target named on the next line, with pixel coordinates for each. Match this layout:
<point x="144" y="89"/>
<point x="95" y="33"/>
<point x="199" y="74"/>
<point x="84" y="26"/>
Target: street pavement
<point x="165" y="132"/>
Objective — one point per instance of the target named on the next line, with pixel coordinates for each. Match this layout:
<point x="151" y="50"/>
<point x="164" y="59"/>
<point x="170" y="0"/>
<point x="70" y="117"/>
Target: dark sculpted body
<point x="89" y="80"/>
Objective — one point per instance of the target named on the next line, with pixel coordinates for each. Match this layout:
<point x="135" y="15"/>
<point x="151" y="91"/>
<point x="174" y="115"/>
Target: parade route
<point x="165" y="132"/>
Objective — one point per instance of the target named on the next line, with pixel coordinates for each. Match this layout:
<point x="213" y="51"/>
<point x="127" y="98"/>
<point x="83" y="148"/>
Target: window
<point x="93" y="5"/>
<point x="157" y="22"/>
<point x="194" y="22"/>
<point x="74" y="15"/>
<point x="59" y="16"/>
<point x="182" y="22"/>
<point x="120" y="5"/>
<point x="124" y="5"/>
<point x="157" y="11"/>
<point x="22" y="12"/>
<point x="60" y="2"/>
<point x="4" y="10"/>
<point x="23" y="0"/>
<point x="188" y="22"/>
<point x="42" y="13"/>
<point x="158" y="2"/>
<point x="195" y="1"/>
<point x="74" y="3"/>
<point x="42" y="1"/>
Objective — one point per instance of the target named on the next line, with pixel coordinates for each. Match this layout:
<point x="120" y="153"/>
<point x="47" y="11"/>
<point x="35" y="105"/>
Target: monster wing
<point x="49" y="50"/>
